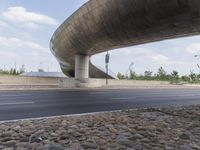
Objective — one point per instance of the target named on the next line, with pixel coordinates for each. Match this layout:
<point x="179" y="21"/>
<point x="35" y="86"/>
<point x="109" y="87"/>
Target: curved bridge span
<point x="101" y="25"/>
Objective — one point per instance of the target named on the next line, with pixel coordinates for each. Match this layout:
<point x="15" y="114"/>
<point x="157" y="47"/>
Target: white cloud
<point x="21" y="15"/>
<point x="159" y="58"/>
<point x="25" y="52"/>
<point x="18" y="43"/>
<point x="144" y="59"/>
<point x="3" y="24"/>
<point x="141" y="53"/>
<point x="7" y="54"/>
<point x="193" y="49"/>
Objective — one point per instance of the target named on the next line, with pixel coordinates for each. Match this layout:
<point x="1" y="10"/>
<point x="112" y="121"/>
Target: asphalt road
<point x="30" y="104"/>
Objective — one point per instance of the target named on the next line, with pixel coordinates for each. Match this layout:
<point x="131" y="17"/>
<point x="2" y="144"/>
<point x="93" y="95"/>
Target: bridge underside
<point x="101" y="25"/>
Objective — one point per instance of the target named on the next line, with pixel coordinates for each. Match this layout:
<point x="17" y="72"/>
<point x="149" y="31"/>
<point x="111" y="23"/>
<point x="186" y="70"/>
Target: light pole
<point x="129" y="68"/>
<point x="199" y="68"/>
<point x="107" y="59"/>
<point x="198" y="64"/>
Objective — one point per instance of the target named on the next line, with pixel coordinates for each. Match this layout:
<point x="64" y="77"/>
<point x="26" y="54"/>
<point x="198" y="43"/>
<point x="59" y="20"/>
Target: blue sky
<point x="26" y="27"/>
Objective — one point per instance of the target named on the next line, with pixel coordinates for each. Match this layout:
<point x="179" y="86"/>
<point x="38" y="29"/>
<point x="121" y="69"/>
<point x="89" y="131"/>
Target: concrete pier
<point x="82" y="66"/>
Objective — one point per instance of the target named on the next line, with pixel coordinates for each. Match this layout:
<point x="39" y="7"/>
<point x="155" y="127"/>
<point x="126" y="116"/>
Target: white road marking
<point x="16" y="103"/>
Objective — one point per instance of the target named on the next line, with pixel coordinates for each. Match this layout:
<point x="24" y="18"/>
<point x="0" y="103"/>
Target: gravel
<point x="166" y="128"/>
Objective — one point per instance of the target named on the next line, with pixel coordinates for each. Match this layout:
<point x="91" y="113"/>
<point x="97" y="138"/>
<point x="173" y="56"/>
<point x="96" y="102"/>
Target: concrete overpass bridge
<point x="101" y="25"/>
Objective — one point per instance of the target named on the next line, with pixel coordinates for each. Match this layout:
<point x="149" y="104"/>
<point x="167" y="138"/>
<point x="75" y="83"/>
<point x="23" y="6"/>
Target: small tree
<point x="192" y="76"/>
<point x="14" y="72"/>
<point x="198" y="76"/>
<point x="11" y="71"/>
<point x="133" y="75"/>
<point x="174" y="76"/>
<point x="120" y="76"/>
<point x="4" y="71"/>
<point x="162" y="75"/>
<point x="148" y="75"/>
<point x="185" y="78"/>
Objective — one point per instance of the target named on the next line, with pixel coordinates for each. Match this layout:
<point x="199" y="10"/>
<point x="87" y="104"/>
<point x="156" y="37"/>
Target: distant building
<point x="43" y="74"/>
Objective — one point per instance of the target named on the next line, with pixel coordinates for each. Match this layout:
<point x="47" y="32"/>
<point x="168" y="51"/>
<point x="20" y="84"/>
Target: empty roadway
<point x="31" y="104"/>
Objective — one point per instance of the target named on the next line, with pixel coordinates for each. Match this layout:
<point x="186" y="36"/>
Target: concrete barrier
<point x="73" y="83"/>
<point x="112" y="82"/>
<point x="9" y="79"/>
<point x="68" y="83"/>
<point x="59" y="82"/>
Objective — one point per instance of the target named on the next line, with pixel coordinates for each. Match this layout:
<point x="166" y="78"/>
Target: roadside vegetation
<point x="161" y="75"/>
<point x="12" y="71"/>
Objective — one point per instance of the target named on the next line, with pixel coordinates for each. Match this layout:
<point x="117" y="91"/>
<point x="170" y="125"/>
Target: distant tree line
<point x="12" y="71"/>
<point x="162" y="75"/>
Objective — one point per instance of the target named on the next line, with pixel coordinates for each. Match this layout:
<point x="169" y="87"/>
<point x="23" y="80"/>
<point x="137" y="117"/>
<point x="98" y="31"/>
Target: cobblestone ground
<point x="153" y="128"/>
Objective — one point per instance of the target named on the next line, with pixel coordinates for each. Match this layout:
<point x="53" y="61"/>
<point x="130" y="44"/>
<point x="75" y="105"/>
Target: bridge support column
<point x="82" y="66"/>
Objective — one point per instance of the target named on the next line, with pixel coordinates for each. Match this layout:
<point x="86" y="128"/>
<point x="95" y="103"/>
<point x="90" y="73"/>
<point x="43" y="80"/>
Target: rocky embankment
<point x="154" y="128"/>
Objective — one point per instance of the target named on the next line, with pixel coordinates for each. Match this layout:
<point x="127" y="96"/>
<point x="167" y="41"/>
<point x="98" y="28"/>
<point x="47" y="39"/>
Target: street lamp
<point x="197" y="64"/>
<point x="107" y="59"/>
<point x="129" y="68"/>
<point x="199" y="68"/>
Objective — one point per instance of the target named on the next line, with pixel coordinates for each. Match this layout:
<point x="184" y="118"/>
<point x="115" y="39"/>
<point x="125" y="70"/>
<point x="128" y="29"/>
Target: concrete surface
<point x="102" y="25"/>
<point x="36" y="82"/>
<point x="6" y="80"/>
<point x="81" y="66"/>
<point x="44" y="74"/>
<point x="28" y="104"/>
<point x="9" y="79"/>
